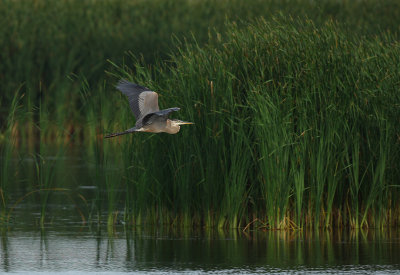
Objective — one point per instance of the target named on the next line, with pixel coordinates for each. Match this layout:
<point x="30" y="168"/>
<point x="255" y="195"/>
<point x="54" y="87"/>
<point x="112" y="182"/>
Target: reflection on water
<point x="138" y="250"/>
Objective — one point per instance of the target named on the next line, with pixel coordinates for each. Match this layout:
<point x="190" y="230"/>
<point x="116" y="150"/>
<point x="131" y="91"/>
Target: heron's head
<point x="175" y="124"/>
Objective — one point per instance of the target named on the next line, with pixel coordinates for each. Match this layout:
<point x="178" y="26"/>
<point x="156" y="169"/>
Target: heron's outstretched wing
<point x="142" y="100"/>
<point x="148" y="119"/>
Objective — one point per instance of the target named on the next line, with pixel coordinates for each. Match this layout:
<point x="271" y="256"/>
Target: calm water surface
<point x="77" y="249"/>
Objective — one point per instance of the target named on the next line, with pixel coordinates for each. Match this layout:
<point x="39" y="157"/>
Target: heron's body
<point x="144" y="105"/>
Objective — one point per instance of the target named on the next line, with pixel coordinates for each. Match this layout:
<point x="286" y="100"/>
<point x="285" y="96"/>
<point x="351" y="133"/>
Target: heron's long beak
<point x="180" y="122"/>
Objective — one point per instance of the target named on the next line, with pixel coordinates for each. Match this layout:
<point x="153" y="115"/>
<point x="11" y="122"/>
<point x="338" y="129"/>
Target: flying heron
<point x="144" y="105"/>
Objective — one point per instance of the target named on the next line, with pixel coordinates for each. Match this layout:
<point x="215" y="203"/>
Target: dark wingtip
<point x="124" y="85"/>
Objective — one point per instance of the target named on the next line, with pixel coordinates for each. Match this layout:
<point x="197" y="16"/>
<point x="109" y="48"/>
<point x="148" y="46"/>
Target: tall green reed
<point x="274" y="136"/>
<point x="6" y="154"/>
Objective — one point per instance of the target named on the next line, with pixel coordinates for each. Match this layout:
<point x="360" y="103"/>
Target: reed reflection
<point x="140" y="249"/>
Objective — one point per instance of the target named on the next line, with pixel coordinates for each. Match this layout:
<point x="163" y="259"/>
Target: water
<point x="81" y="248"/>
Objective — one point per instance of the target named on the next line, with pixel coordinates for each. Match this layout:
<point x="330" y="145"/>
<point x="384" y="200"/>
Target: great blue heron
<point x="144" y="105"/>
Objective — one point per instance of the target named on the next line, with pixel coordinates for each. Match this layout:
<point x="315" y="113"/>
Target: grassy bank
<point x="296" y="120"/>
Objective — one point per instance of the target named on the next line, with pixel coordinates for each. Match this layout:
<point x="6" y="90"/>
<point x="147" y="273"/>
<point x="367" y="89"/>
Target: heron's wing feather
<point x="141" y="99"/>
<point x="149" y="118"/>
<point x="166" y="112"/>
<point x="148" y="103"/>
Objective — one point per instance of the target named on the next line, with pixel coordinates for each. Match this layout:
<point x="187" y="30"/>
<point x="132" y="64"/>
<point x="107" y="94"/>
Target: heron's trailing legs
<point x="121" y="133"/>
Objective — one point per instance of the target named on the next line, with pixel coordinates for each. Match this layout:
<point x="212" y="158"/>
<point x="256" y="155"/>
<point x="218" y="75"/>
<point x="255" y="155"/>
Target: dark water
<point x="77" y="248"/>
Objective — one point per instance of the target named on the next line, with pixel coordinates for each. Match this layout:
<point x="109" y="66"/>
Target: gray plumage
<point x="144" y="105"/>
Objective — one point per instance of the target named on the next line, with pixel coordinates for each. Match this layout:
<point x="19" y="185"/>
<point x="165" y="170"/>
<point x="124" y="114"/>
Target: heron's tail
<point x="120" y="134"/>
